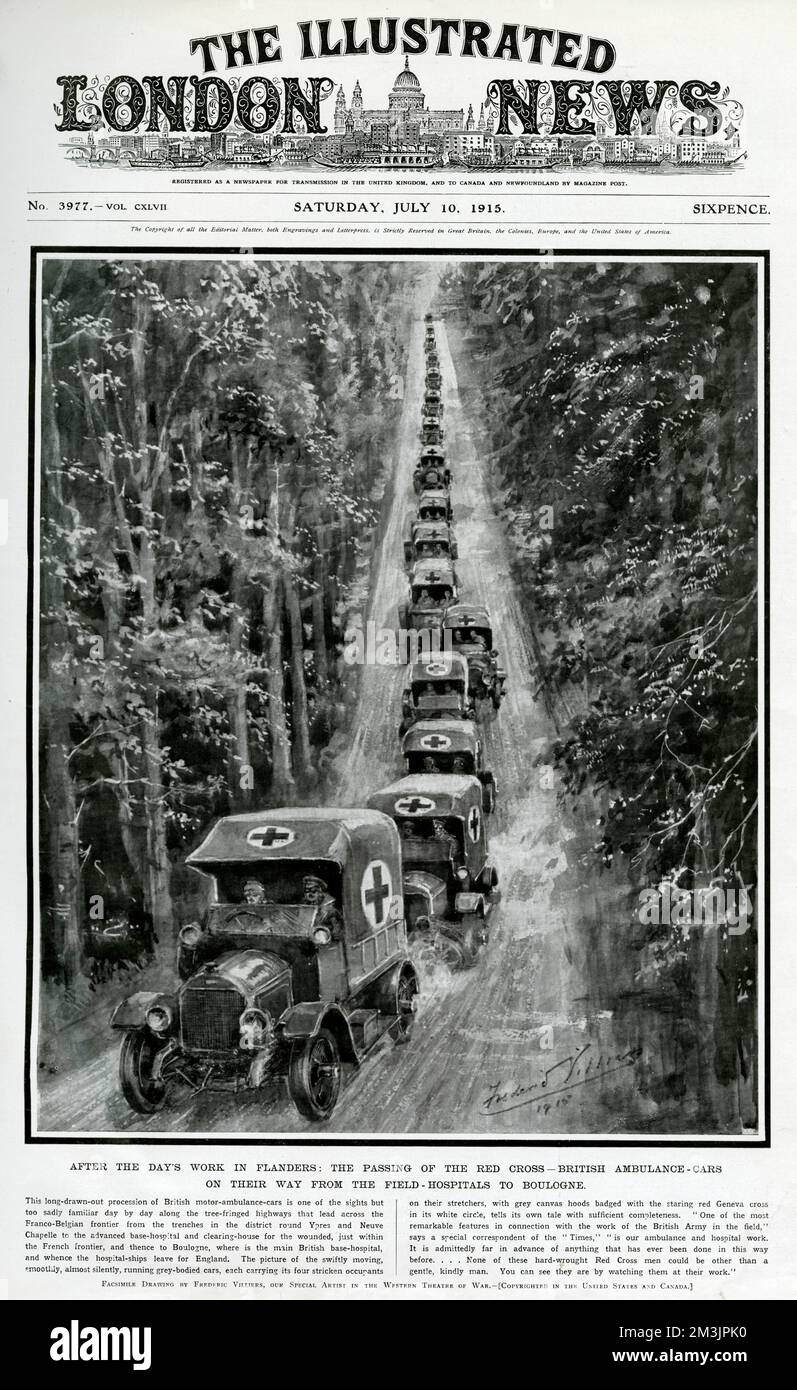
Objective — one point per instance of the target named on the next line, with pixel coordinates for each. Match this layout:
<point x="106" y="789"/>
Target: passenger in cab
<point x="316" y="894"/>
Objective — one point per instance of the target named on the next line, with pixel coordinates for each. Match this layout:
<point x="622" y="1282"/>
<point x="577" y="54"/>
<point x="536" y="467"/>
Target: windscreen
<point x="277" y="881"/>
<point x="425" y="837"/>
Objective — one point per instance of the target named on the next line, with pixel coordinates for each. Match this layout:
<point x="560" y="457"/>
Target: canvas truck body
<point x="429" y="540"/>
<point x="448" y="747"/>
<point x="449" y="882"/>
<point x="433" y="585"/>
<point x="431" y="431"/>
<point x="279" y="986"/>
<point x="469" y="631"/>
<point x="431" y="471"/>
<point x="434" y="504"/>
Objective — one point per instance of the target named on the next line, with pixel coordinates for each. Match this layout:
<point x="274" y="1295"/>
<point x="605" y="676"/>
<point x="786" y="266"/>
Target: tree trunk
<point x="64" y="857"/>
<point x="157" y="885"/>
<point x="240" y="765"/>
<point x="132" y="821"/>
<point x="62" y="839"/>
<point x="319" y="611"/>
<point x="302" y="760"/>
<point x="281" y="775"/>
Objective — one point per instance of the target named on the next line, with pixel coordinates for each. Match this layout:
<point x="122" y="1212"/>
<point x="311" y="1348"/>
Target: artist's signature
<point x="579" y="1068"/>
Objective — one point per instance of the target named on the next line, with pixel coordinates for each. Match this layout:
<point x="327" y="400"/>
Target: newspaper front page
<point x="398" y="518"/>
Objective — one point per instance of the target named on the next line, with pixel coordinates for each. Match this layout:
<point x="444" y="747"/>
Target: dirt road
<point x="549" y="1034"/>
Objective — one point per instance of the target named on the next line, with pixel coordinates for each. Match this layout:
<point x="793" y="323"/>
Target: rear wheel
<point x="142" y="1091"/>
<point x="314" y="1075"/>
<point x="406" y="997"/>
<point x="472" y="937"/>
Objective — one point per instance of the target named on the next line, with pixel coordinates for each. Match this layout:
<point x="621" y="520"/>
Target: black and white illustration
<point x="397" y="702"/>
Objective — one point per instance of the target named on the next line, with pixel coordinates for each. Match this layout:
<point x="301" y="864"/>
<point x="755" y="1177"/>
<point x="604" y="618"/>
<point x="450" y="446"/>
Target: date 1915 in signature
<point x="578" y="1068"/>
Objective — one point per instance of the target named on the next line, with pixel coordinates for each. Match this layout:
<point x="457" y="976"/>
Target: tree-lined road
<point x="539" y="1038"/>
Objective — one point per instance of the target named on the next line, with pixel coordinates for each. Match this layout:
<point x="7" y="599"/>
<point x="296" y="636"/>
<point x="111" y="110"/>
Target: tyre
<point x="449" y="952"/>
<point x="136" y="1058"/>
<point x="488" y="879"/>
<point x="314" y="1075"/>
<point x="406" y="995"/>
<point x="495" y="696"/>
<point x="471" y="940"/>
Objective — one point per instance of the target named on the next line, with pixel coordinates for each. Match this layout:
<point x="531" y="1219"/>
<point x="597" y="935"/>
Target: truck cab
<point x="436" y="688"/>
<point x="470" y="631"/>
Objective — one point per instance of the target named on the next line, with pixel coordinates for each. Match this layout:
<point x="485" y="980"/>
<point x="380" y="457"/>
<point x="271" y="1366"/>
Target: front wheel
<point x="142" y="1091"/>
<point x="314" y="1075"/>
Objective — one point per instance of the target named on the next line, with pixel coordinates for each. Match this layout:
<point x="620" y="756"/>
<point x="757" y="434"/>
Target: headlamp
<point x="159" y="1018"/>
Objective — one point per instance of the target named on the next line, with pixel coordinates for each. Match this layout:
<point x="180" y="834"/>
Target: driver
<point x="412" y="836"/>
<point x="475" y="638"/>
<point x="254" y="892"/>
<point x="316" y="894"/>
<point x="440" y="833"/>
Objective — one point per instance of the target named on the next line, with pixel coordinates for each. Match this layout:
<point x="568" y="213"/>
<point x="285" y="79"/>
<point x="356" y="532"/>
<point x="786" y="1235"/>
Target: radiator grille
<point x="209" y="1018"/>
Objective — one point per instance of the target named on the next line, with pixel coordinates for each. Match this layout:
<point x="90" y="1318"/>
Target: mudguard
<point x="469" y="902"/>
<point x="385" y="989"/>
<point x="132" y="1011"/>
<point x="303" y="1021"/>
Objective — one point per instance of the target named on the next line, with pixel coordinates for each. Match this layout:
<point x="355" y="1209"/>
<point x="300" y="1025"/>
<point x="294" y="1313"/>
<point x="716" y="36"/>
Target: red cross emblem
<point x="270" y="837"/>
<point x="414" y="805"/>
<point x="474" y="823"/>
<point x="376" y="891"/>
<point x="437" y="742"/>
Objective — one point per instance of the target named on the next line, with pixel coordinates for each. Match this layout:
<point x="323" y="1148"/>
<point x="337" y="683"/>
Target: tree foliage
<point x="624" y="413"/>
<point x="212" y="463"/>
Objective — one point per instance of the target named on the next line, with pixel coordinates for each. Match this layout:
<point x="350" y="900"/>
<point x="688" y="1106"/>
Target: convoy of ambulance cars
<point x="320" y="919"/>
